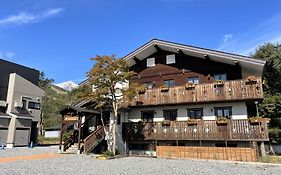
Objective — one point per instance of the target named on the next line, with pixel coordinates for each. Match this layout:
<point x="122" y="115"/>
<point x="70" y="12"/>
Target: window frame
<point x="192" y="79"/>
<point x="169" y="85"/>
<point x="169" y="57"/>
<point x="147" y="119"/>
<point x="223" y="112"/>
<point x="148" y="83"/>
<point x="148" y="61"/>
<point x="195" y="109"/>
<point x="220" y="76"/>
<point x="170" y="118"/>
<point x="34" y="105"/>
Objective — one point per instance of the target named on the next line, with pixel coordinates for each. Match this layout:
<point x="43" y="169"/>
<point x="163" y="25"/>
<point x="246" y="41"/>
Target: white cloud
<point x="246" y="43"/>
<point x="227" y="38"/>
<point x="25" y="18"/>
<point x="10" y="55"/>
<point x="7" y="55"/>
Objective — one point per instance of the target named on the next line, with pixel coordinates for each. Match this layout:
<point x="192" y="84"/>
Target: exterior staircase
<point x="92" y="141"/>
<point x="70" y="144"/>
<point x="72" y="149"/>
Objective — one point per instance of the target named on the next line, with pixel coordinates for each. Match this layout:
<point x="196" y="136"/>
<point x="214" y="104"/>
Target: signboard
<point x="70" y="118"/>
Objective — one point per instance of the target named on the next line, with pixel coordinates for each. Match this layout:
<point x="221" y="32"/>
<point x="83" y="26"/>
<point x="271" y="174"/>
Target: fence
<point x="215" y="153"/>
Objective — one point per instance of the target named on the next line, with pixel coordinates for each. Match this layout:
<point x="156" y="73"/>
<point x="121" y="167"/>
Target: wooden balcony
<point x="233" y="130"/>
<point x="235" y="90"/>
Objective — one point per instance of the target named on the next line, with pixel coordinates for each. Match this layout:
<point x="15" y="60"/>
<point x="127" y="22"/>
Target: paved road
<point x="87" y="164"/>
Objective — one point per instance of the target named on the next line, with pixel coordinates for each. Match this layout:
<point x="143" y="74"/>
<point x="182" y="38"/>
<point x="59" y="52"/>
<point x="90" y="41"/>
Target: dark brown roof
<point x="76" y="109"/>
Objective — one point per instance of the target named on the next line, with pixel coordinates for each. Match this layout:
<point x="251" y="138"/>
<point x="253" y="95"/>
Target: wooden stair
<point x="94" y="139"/>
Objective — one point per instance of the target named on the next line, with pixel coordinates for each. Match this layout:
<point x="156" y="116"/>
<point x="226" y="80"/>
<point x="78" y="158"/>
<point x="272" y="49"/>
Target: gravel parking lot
<point x="88" y="164"/>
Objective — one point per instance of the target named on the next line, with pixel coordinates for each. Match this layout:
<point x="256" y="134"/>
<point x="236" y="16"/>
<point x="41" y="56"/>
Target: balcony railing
<point x="220" y="91"/>
<point x="231" y="130"/>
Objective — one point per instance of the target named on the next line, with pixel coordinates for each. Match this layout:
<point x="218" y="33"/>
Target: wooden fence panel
<point x="214" y="153"/>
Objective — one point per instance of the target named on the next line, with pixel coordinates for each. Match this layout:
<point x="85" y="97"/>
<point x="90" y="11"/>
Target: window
<point x="220" y="77"/>
<point x="169" y="83"/>
<point x="118" y="119"/>
<point x="150" y="62"/>
<point x="223" y="112"/>
<point x="33" y="105"/>
<point x="170" y="114"/>
<point x="147" y="116"/>
<point x="148" y="85"/>
<point x="170" y="59"/>
<point x="195" y="113"/>
<point x="194" y="80"/>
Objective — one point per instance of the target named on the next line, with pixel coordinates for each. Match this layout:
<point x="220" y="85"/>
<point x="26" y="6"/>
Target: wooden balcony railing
<point x="233" y="130"/>
<point x="229" y="90"/>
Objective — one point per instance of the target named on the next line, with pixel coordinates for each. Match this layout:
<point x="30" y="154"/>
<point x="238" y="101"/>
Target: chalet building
<point x="194" y="97"/>
<point x="20" y="104"/>
<point x="196" y="103"/>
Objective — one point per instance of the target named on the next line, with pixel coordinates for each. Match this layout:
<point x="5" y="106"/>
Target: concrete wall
<point x="239" y="111"/>
<point x="19" y="88"/>
<point x="20" y="124"/>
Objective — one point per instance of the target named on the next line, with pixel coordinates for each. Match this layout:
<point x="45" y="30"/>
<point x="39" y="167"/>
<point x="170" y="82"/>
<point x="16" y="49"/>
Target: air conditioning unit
<point x="18" y="104"/>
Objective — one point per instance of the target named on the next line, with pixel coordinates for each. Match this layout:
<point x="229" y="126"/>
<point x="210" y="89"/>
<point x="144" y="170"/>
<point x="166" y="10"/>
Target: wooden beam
<point x="136" y="59"/>
<point x="180" y="52"/>
<point x="79" y="135"/>
<point x="157" y="47"/>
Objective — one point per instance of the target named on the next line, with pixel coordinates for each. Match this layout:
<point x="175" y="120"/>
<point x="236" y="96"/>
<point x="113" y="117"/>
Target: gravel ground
<point x="87" y="164"/>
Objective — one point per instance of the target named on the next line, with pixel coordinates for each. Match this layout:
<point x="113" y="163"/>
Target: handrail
<point x="235" y="90"/>
<point x="231" y="130"/>
<point x="93" y="139"/>
<point x="69" y="141"/>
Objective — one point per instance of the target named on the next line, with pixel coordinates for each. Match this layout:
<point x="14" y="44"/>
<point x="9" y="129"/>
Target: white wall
<point x="52" y="134"/>
<point x="239" y="111"/>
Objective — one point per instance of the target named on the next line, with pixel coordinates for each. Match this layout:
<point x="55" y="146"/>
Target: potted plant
<point x="164" y="88"/>
<point x="219" y="83"/>
<point x="192" y="122"/>
<point x="251" y="80"/>
<point x="258" y="119"/>
<point x="222" y="121"/>
<point x="166" y="123"/>
<point x="189" y="86"/>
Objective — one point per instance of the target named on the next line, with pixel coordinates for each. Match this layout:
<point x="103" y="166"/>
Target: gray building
<point x="20" y="104"/>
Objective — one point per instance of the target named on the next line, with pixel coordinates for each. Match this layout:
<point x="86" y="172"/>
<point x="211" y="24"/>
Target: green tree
<point x="110" y="76"/>
<point x="43" y="81"/>
<point x="271" y="53"/>
<point x="271" y="105"/>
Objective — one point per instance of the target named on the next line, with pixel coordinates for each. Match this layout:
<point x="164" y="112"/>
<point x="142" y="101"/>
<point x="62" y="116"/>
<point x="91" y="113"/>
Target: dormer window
<point x="171" y="59"/>
<point x="150" y="62"/>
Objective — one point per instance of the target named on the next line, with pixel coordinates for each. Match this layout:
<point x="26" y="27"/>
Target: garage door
<point x="3" y="136"/>
<point x="22" y="136"/>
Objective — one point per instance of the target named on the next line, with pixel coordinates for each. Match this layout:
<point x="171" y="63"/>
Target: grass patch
<point x="270" y="159"/>
<point x="48" y="141"/>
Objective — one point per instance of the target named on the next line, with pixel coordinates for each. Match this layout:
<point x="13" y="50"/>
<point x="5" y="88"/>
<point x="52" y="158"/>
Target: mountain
<point x="68" y="85"/>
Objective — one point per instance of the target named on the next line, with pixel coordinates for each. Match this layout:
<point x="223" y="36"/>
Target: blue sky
<point x="59" y="36"/>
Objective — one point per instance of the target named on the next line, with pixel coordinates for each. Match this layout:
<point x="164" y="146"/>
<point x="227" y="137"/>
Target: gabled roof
<point x="77" y="110"/>
<point x="153" y="45"/>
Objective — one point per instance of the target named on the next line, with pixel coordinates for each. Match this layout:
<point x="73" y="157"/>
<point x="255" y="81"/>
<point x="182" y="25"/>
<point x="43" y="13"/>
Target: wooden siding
<point x="185" y="66"/>
<point x="235" y="130"/>
<point x="236" y="90"/>
<point x="215" y="153"/>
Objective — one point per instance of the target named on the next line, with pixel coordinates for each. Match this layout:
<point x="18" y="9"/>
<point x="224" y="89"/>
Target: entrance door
<point x="147" y="116"/>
